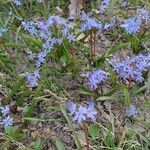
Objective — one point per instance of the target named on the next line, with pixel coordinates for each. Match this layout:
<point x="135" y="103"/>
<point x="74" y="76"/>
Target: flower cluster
<point x="82" y="113"/>
<point x="5" y="119"/>
<point x="29" y="26"/>
<point x="89" y="23"/>
<point x="44" y="31"/>
<point x="133" y="25"/>
<point x="95" y="78"/>
<point x="132" y="112"/>
<point x="103" y="5"/>
<point x="143" y="14"/>
<point x="32" y="78"/>
<point x="132" y="67"/>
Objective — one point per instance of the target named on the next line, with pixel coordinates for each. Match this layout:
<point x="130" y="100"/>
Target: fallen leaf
<point x="75" y="8"/>
<point x="35" y="134"/>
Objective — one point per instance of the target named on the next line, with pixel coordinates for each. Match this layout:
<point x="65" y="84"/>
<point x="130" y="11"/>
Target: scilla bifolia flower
<point x="5" y="119"/>
<point x="82" y="113"/>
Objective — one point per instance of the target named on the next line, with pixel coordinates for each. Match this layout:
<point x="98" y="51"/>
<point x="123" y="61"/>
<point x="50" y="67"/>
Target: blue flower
<point x="5" y="119"/>
<point x="82" y="113"/>
<point x="124" y="4"/>
<point x="67" y="28"/>
<point x="70" y="25"/>
<point x="132" y="25"/>
<point x="85" y="16"/>
<point x="71" y="107"/>
<point x="95" y="78"/>
<point x="132" y="67"/>
<point x="6" y="122"/>
<point x="56" y="20"/>
<point x="50" y="42"/>
<point x="37" y="73"/>
<point x="103" y="5"/>
<point x="110" y="25"/>
<point x="91" y="23"/>
<point x="41" y="58"/>
<point x="4" y="110"/>
<point x="30" y="55"/>
<point x="58" y="41"/>
<point x="91" y="111"/>
<point x="65" y="31"/>
<point x="71" y="37"/>
<point x="143" y="14"/>
<point x="132" y="112"/>
<point x="31" y="79"/>
<point x="29" y="27"/>
<point x="17" y="2"/>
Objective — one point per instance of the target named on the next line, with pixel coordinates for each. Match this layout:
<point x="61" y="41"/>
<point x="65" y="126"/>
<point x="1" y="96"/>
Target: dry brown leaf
<point x="35" y="134"/>
<point x="75" y="8"/>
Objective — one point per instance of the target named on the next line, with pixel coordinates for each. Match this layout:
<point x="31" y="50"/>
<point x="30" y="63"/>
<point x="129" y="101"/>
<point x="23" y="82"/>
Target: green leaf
<point x="64" y="54"/>
<point x="15" y="87"/>
<point x="88" y="92"/>
<point x="6" y="64"/>
<point x="63" y="110"/>
<point x="32" y="40"/>
<point x="24" y="93"/>
<point x="38" y="144"/>
<point x="27" y="112"/>
<point x="127" y="97"/>
<point x="112" y="50"/>
<point x="14" y="45"/>
<point x="59" y="144"/>
<point x="115" y="48"/>
<point x="104" y="98"/>
<point x="94" y="131"/>
<point x="41" y="120"/>
<point x="137" y="91"/>
<point x="14" y="133"/>
<point x="6" y="144"/>
<point x="109" y="139"/>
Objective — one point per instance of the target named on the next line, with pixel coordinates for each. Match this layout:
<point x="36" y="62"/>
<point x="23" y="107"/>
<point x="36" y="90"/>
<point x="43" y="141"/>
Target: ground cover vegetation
<point x="74" y="75"/>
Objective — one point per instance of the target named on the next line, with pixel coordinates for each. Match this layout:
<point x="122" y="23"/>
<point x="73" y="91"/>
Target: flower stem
<point x="101" y="87"/>
<point x="129" y="84"/>
<point x="91" y="44"/>
<point x="94" y="44"/>
<point x="86" y="136"/>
